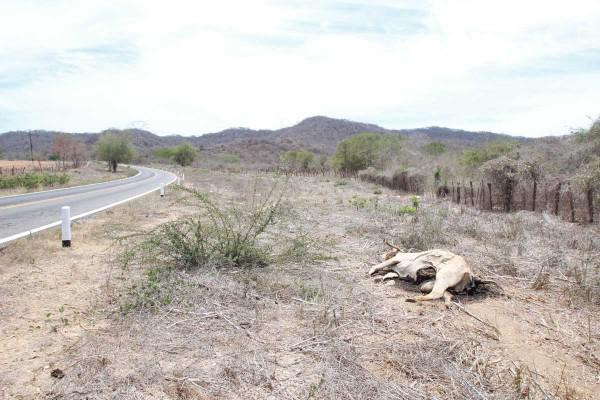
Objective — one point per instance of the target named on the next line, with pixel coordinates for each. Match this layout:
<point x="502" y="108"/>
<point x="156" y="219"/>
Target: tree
<point x="114" y="150"/>
<point x="474" y="158"/>
<point x="365" y="150"/>
<point x="297" y="160"/>
<point x="60" y="148"/>
<point x="590" y="139"/>
<point x="434" y="148"/>
<point x="67" y="148"/>
<point x="165" y="153"/>
<point x="184" y="154"/>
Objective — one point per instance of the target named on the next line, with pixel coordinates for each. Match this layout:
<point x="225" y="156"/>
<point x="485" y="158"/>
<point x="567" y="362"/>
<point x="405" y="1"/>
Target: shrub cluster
<point x="33" y="180"/>
<point x="212" y="237"/>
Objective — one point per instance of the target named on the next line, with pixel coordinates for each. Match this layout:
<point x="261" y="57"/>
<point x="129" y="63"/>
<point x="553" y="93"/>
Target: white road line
<point x="85" y="214"/>
<point x="73" y="187"/>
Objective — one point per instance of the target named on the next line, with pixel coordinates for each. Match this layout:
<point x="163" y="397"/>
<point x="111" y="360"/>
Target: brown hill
<point x="319" y="134"/>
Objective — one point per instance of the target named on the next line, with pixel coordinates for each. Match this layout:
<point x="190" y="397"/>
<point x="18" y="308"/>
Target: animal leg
<point x="439" y="288"/>
<point x="447" y="299"/>
<point x="390" y="275"/>
<point x="382" y="266"/>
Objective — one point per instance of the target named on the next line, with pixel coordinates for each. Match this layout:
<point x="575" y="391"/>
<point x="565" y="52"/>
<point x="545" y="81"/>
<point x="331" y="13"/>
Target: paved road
<point x="24" y="214"/>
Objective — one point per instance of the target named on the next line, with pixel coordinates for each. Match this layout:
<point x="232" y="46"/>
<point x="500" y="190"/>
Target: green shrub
<point x="406" y="210"/>
<point x="415" y="201"/>
<point x="365" y="150"/>
<point x="434" y="148"/>
<point x="158" y="288"/>
<point x="212" y="237"/>
<point x="475" y="157"/>
<point x="33" y="180"/>
<point x="359" y="202"/>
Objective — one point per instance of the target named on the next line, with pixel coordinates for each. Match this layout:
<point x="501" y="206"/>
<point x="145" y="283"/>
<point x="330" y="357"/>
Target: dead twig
<point x="470" y="314"/>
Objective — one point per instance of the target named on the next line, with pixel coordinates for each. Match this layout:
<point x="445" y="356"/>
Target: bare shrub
<point x="504" y="173"/>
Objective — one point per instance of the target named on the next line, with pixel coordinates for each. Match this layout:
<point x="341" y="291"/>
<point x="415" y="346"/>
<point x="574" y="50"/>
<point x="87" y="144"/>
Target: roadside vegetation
<point x="183" y="154"/>
<point x="114" y="150"/>
<point x="33" y="180"/>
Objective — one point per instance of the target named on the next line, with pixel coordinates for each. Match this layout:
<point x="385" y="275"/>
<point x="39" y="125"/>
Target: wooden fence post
<point x="557" y="198"/>
<point x="590" y="205"/>
<point x="534" y="195"/>
<point x="472" y="192"/>
<point x="458" y="193"/>
<point x="491" y="202"/>
<point x="571" y="202"/>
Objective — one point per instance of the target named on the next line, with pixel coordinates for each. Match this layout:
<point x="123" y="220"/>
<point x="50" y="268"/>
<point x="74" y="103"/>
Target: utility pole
<point x="31" y="146"/>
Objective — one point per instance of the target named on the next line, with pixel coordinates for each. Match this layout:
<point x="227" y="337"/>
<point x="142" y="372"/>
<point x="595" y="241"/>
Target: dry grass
<point x="312" y="324"/>
<point x="28" y="165"/>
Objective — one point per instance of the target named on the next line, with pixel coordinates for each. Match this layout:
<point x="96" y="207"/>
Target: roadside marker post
<point x="178" y="180"/>
<point x="65" y="213"/>
<point x="162" y="190"/>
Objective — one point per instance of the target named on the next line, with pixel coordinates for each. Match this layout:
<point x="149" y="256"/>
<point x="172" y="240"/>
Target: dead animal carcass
<point x="439" y="272"/>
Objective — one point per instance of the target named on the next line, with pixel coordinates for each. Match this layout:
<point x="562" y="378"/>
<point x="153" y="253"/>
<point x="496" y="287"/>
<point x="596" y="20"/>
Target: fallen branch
<point x="470" y="314"/>
<point x="393" y="246"/>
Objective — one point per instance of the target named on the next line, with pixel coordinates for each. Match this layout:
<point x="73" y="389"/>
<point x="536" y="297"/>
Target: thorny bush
<point x="212" y="236"/>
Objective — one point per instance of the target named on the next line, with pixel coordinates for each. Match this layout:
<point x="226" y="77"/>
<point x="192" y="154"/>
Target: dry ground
<point x="8" y="164"/>
<point x="312" y="324"/>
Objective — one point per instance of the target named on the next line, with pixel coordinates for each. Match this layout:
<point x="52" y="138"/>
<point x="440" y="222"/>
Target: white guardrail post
<point x="65" y="213"/>
<point x="162" y="190"/>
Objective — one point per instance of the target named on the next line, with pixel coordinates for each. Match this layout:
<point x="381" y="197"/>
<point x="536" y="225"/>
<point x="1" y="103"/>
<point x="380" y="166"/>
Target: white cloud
<point x="196" y="66"/>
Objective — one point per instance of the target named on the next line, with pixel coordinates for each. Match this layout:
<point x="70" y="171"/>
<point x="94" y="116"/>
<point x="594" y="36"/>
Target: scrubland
<point x="120" y="316"/>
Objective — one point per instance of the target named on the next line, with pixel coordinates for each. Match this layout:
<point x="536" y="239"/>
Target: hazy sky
<point x="522" y="67"/>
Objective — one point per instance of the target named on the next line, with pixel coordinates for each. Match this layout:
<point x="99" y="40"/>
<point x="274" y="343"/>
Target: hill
<point x="320" y="134"/>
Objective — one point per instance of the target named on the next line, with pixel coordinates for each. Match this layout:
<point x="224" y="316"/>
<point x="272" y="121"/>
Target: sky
<point x="522" y="67"/>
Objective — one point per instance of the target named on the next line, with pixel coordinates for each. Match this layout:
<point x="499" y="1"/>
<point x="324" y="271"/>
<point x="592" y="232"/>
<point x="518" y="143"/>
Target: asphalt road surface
<point x="22" y="215"/>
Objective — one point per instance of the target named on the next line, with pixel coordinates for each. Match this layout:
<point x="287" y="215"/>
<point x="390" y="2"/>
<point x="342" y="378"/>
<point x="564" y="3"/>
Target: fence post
<point x="590" y="201"/>
<point x="490" y="190"/>
<point x="557" y="198"/>
<point x="458" y="193"/>
<point x="534" y="194"/>
<point x="66" y="226"/>
<point x="472" y="194"/>
<point x="571" y="202"/>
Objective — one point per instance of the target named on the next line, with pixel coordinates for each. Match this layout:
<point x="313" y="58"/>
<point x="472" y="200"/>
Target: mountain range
<point x="319" y="134"/>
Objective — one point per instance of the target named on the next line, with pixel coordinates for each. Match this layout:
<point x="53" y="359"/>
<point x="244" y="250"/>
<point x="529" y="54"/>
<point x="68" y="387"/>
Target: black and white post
<point x="66" y="226"/>
<point x="162" y="190"/>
